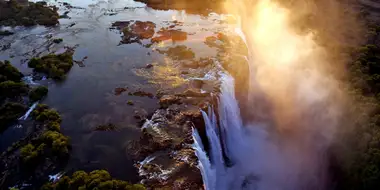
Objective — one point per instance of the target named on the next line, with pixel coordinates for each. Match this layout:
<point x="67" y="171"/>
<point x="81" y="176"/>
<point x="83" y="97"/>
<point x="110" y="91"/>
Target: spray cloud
<point x="296" y="98"/>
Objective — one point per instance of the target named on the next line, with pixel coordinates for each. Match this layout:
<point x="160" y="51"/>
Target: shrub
<point x="10" y="89"/>
<point x="38" y="93"/>
<point x="8" y="72"/>
<point x="98" y="179"/>
<point x="55" y="66"/>
<point x="10" y="112"/>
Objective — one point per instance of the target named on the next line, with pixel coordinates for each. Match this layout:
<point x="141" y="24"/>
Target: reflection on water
<point x="86" y="98"/>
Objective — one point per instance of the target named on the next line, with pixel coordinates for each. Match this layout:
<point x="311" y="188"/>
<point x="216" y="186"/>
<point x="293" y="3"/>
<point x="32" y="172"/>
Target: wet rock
<point x="130" y="102"/>
<point x="71" y="25"/>
<point x="57" y="40"/>
<point x="6" y="46"/>
<point x="80" y="63"/>
<point x="106" y="127"/>
<point x="119" y="25"/>
<point x="143" y="30"/>
<point x="168" y="135"/>
<point x="167" y="34"/>
<point x="180" y="52"/>
<point x="140" y="115"/>
<point x="196" y="6"/>
<point x="5" y="33"/>
<point x="194" y="93"/>
<point x="141" y="93"/>
<point x="197" y="84"/>
<point x="167" y="100"/>
<point x="148" y="66"/>
<point x="13" y="14"/>
<point x="135" y="31"/>
<point x="65" y="15"/>
<point x="119" y="90"/>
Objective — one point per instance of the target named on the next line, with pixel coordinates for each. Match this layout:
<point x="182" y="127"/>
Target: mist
<point x="297" y="100"/>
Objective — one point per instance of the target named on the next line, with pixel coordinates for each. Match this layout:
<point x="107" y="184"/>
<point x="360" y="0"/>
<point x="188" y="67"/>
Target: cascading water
<point x="296" y="108"/>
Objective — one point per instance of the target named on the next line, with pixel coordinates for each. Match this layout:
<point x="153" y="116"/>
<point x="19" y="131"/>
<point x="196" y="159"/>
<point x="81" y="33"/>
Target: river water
<point x="86" y="98"/>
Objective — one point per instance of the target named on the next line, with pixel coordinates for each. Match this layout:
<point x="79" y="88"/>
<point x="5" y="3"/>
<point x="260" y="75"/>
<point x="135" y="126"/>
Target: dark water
<point x="86" y="98"/>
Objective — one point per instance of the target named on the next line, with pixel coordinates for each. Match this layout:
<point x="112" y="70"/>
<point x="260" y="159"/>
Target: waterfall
<point x="26" y="115"/>
<point x="255" y="156"/>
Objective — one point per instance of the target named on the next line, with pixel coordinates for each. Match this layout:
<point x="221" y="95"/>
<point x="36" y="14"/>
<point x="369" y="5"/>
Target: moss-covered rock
<point x="55" y="66"/>
<point x="10" y="112"/>
<point x="98" y="179"/>
<point x="38" y="93"/>
<point x="15" y="14"/>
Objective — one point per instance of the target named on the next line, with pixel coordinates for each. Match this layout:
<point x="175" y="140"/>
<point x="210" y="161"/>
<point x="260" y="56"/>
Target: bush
<point x="57" y="141"/>
<point x="55" y="66"/>
<point x="49" y="115"/>
<point x="10" y="89"/>
<point x="38" y="93"/>
<point x="98" y="179"/>
<point x="13" y="14"/>
<point x="10" y="112"/>
<point x="8" y="72"/>
<point x="30" y="153"/>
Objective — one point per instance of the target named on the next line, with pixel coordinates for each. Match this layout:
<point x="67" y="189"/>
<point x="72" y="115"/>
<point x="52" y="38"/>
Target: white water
<point x="26" y="115"/>
<point x="254" y="156"/>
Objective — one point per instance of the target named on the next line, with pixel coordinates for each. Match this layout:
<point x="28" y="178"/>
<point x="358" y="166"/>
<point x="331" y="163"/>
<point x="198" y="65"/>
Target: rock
<point x="134" y="32"/>
<point x="130" y="102"/>
<point x="196" y="6"/>
<point x="5" y="33"/>
<point x="57" y="40"/>
<point x="180" y="52"/>
<point x="119" y="25"/>
<point x="141" y="94"/>
<point x="196" y="83"/>
<point x="174" y="35"/>
<point x="119" y="90"/>
<point x="148" y="66"/>
<point x="106" y="127"/>
<point x="193" y="93"/>
<point x="203" y="62"/>
<point x="167" y="100"/>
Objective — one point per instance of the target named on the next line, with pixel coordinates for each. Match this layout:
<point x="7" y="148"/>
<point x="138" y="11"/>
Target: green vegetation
<point x="8" y="72"/>
<point x="130" y="102"/>
<point x="55" y="66"/>
<point x="57" y="40"/>
<point x="50" y="144"/>
<point x="38" y="93"/>
<point x="359" y="167"/>
<point x="98" y="179"/>
<point x="43" y="114"/>
<point x="30" y="14"/>
<point x="10" y="112"/>
<point x="11" y="89"/>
